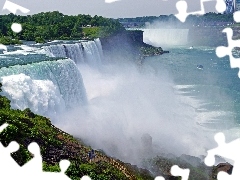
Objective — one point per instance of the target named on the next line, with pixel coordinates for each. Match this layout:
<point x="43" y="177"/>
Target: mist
<point x="166" y="33"/>
<point x="127" y="104"/>
<point x="132" y="112"/>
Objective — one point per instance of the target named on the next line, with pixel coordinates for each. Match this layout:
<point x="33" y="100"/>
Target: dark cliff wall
<point x="122" y="46"/>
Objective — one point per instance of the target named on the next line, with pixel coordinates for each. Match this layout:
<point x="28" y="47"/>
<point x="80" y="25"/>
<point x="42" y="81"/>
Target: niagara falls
<point x="121" y="98"/>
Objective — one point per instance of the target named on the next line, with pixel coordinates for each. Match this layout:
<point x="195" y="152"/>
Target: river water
<point x="111" y="106"/>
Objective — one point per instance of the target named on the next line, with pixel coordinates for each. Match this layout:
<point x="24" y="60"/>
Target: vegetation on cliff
<point x="55" y="25"/>
<point x="151" y="51"/>
<point x="26" y="127"/>
<point x="8" y="41"/>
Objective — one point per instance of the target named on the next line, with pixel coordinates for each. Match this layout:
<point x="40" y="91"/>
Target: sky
<point x="122" y="8"/>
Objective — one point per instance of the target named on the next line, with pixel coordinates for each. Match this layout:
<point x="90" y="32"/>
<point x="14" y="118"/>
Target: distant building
<point x="230" y="6"/>
<point x="237" y="5"/>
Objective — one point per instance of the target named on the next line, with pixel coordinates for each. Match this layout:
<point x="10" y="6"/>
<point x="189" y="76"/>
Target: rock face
<point x="26" y="127"/>
<point x="226" y="167"/>
<point x="124" y="45"/>
<point x="128" y="45"/>
<point x="147" y="146"/>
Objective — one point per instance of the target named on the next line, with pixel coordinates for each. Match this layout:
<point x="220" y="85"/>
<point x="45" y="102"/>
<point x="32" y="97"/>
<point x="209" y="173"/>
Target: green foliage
<point x="91" y="32"/>
<point x="55" y="25"/>
<point x="26" y="127"/>
<point x="4" y="103"/>
<point x="100" y="171"/>
<point x="162" y="165"/>
<point x="210" y="17"/>
<point x="39" y="40"/>
<point x="51" y="168"/>
<point x="8" y="41"/>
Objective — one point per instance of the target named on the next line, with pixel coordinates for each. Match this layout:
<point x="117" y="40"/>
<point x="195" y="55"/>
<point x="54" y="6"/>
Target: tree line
<point x="55" y="25"/>
<point x="207" y="18"/>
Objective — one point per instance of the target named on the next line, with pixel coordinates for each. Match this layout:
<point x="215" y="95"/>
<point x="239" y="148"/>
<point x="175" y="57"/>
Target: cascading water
<point x="55" y="51"/>
<point x="75" y="52"/>
<point x="89" y="52"/>
<point x="159" y="37"/>
<point x="123" y="103"/>
<point x="49" y="86"/>
<point x="46" y="87"/>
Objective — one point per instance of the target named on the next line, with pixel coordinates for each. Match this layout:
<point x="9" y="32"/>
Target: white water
<point x="123" y="103"/>
<point x="55" y="51"/>
<point x="169" y="37"/>
<point x="55" y="85"/>
<point x="49" y="87"/>
<point x="75" y="52"/>
<point x="41" y="96"/>
<point x="89" y="52"/>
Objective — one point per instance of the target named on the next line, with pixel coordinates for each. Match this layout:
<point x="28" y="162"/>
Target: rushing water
<point x="216" y="86"/>
<point x="111" y="106"/>
<point x="165" y="36"/>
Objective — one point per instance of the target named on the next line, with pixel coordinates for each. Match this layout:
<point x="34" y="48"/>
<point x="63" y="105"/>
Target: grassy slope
<point x="26" y="127"/>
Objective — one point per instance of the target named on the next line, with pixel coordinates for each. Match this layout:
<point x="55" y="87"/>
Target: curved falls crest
<point x="51" y="86"/>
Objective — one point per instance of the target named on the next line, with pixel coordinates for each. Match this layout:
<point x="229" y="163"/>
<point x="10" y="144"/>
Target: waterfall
<point x="159" y="37"/>
<point x="55" y="51"/>
<point x="46" y="87"/>
<point x="74" y="52"/>
<point x="89" y="52"/>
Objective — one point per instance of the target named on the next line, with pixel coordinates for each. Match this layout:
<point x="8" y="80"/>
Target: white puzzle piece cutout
<point x="182" y="9"/>
<point x="227" y="150"/>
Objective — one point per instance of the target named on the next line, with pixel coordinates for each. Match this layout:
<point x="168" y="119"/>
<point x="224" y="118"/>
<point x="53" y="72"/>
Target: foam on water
<point x="42" y="96"/>
<point x="169" y="37"/>
<point x="89" y="52"/>
<point x="123" y="102"/>
<point x="63" y="74"/>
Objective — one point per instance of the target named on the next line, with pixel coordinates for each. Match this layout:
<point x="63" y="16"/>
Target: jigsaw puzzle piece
<point x="177" y="171"/>
<point x="182" y="9"/>
<point x="8" y="164"/>
<point x="85" y="178"/>
<point x="227" y="150"/>
<point x="236" y="16"/>
<point x="12" y="7"/>
<point x="159" y="178"/>
<point x="224" y="176"/>
<point x="34" y="166"/>
<point x="222" y="51"/>
<point x="210" y="159"/>
<point x="54" y="175"/>
<point x="3" y="47"/>
<point x="5" y="125"/>
<point x="64" y="164"/>
<point x="220" y="6"/>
